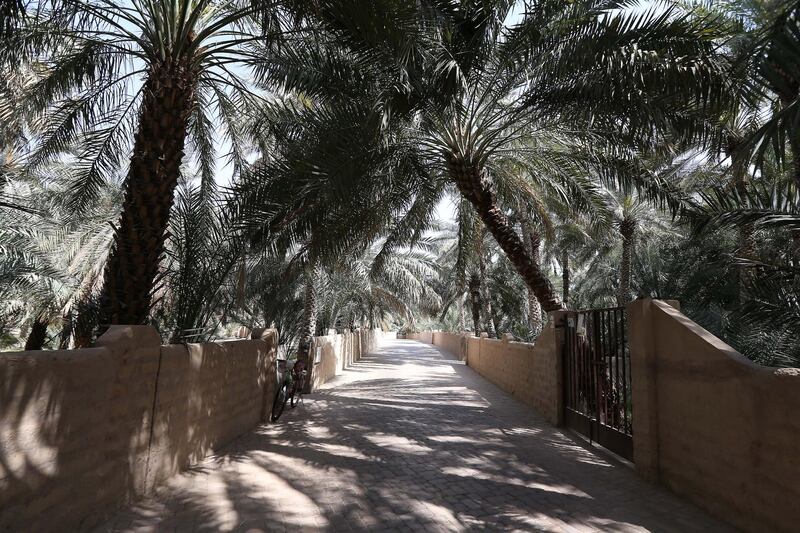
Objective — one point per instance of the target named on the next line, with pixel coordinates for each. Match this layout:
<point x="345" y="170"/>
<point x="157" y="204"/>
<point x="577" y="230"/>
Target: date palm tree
<point x="472" y="89"/>
<point x="768" y="67"/>
<point x="125" y="86"/>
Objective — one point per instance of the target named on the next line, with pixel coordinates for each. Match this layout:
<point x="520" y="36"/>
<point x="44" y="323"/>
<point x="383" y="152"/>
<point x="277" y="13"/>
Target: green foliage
<point x="588" y="119"/>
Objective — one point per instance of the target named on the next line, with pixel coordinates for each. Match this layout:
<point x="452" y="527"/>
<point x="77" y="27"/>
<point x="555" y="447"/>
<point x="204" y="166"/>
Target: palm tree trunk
<point x="565" y="276"/>
<point x="130" y="272"/>
<point x="627" y="229"/>
<point x="533" y="239"/>
<point x="475" y="300"/>
<point x="486" y="300"/>
<point x="747" y="250"/>
<point x="747" y="245"/>
<point x="471" y="183"/>
<point x="495" y="322"/>
<point x="308" y="326"/>
<point x="37" y="335"/>
<point x="461" y="325"/>
<point x="66" y="331"/>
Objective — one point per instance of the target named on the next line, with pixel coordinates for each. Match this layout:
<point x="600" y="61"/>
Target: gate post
<point x="644" y="390"/>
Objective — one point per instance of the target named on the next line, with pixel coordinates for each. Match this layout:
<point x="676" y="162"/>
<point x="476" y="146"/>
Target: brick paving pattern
<point x="409" y="439"/>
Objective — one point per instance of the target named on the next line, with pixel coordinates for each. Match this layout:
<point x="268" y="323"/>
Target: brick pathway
<point x="410" y="440"/>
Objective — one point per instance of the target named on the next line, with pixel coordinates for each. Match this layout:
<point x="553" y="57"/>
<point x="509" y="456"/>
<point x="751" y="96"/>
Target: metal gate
<point x="597" y="378"/>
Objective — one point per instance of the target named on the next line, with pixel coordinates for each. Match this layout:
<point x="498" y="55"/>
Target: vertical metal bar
<point x="581" y="364"/>
<point x="575" y="369"/>
<point x="625" y="353"/>
<point x="583" y="383"/>
<point x="595" y="348"/>
<point x="598" y="366"/>
<point x="575" y="364"/>
<point x="601" y="369"/>
<point x="604" y="366"/>
<point x="616" y="382"/>
<point x="588" y="382"/>
<point x="569" y="366"/>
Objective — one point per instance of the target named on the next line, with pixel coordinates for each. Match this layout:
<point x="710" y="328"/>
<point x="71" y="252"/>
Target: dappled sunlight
<point x="397" y="443"/>
<point x="31" y="448"/>
<point x="421" y="446"/>
<point x="475" y="473"/>
<point x="274" y="491"/>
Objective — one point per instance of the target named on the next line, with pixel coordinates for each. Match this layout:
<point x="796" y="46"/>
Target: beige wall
<point x="453" y="343"/>
<point x="208" y="394"/>
<point x="75" y="425"/>
<point x="340" y="351"/>
<point x="712" y="425"/>
<point x="422" y="336"/>
<point x="529" y="372"/>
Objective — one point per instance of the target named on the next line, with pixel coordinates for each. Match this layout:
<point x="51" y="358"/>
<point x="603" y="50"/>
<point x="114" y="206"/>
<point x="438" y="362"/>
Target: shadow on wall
<point x="337" y="352"/>
<point x="77" y="437"/>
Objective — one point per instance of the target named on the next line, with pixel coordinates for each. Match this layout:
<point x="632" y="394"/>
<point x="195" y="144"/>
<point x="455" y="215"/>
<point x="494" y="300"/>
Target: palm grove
<point x="591" y="151"/>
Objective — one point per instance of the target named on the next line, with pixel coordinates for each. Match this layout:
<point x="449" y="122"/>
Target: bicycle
<point x="290" y="389"/>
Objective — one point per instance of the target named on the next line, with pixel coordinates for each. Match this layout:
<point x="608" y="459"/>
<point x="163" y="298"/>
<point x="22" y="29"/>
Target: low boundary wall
<point x="83" y="432"/>
<point x="529" y="372"/>
<point x="339" y="351"/>
<point x="712" y="425"/>
<point x="708" y="423"/>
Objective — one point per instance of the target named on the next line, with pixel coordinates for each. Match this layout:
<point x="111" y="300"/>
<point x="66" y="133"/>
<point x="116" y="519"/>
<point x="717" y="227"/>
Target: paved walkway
<point x="410" y="440"/>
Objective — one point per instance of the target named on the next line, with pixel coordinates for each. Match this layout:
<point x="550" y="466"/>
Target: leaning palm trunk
<point x="132" y="265"/>
<point x="627" y="229"/>
<point x="534" y="314"/>
<point x="475" y="300"/>
<point x="470" y="180"/>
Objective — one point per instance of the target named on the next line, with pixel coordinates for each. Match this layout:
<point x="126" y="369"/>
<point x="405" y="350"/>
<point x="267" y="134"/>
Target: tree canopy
<point x="202" y="165"/>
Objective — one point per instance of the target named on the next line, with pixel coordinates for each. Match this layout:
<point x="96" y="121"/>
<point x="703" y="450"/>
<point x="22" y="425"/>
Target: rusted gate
<point x="597" y="378"/>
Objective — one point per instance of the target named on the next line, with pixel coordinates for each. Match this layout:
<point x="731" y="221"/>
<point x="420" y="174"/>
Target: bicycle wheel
<point x="279" y="404"/>
<point x="297" y="392"/>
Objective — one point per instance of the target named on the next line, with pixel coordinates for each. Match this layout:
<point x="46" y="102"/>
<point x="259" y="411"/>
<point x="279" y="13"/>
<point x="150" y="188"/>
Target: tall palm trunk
<point x="309" y="319"/>
<point x="38" y="334"/>
<point x="627" y="228"/>
<point x="746" y="237"/>
<point x="130" y="272"/>
<point x="475" y="300"/>
<point x="533" y="240"/>
<point x="565" y="277"/>
<point x="66" y="331"/>
<point x="470" y="179"/>
<point x="747" y="250"/>
<point x="460" y="304"/>
<point x="486" y="299"/>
